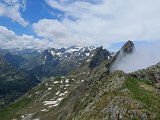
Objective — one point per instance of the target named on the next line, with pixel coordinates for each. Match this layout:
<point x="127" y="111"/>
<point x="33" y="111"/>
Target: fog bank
<point x="143" y="56"/>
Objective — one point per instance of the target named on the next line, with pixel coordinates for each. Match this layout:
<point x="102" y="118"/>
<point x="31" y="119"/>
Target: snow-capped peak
<point x="73" y="48"/>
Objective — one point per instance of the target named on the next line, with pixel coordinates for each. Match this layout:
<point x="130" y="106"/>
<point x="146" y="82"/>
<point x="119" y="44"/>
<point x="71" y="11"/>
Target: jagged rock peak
<point x="128" y="47"/>
<point x="100" y="56"/>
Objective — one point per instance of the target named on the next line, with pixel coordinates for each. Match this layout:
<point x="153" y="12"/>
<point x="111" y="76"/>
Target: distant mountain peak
<point x="74" y="48"/>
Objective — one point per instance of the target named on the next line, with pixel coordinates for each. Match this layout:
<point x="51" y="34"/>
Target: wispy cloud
<point x="11" y="9"/>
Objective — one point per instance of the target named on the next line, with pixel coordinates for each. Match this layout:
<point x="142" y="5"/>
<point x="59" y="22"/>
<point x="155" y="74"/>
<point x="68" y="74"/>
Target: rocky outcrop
<point x="151" y="73"/>
<point x="128" y="47"/>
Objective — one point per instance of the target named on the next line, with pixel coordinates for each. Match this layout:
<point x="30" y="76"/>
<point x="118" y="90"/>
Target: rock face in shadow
<point x="100" y="55"/>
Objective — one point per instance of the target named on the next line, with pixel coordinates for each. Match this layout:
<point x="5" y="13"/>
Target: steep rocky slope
<point x="117" y="96"/>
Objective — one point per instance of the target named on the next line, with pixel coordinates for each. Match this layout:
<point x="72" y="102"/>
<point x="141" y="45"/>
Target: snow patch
<point x="45" y="57"/>
<point x="61" y="81"/>
<point x="49" y="88"/>
<point x="61" y="94"/>
<point x="87" y="54"/>
<point x="59" y="99"/>
<point x="57" y="92"/>
<point x="49" y="102"/>
<point x="55" y="82"/>
<point x="88" y="60"/>
<point x="67" y="85"/>
<point x="55" y="105"/>
<point x="74" y="49"/>
<point x="53" y="53"/>
<point x="44" y="110"/>
<point x="36" y="119"/>
<point x="67" y="81"/>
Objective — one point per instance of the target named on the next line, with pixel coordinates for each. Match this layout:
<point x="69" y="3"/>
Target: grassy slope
<point x="144" y="92"/>
<point x="9" y="112"/>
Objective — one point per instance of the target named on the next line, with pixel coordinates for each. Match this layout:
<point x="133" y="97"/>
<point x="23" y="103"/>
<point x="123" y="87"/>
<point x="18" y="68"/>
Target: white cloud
<point x="9" y="39"/>
<point x="58" y="33"/>
<point x="105" y="23"/>
<point x="11" y="9"/>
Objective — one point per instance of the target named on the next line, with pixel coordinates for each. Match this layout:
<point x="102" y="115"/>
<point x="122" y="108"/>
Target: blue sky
<point x="62" y="23"/>
<point x="34" y="11"/>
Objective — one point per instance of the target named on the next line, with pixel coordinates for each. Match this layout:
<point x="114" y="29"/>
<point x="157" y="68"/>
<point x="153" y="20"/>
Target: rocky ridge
<point x="95" y="93"/>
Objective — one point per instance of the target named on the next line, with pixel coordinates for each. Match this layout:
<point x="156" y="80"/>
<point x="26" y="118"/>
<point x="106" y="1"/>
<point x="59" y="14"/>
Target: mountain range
<point x="22" y="69"/>
<point x="76" y="83"/>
